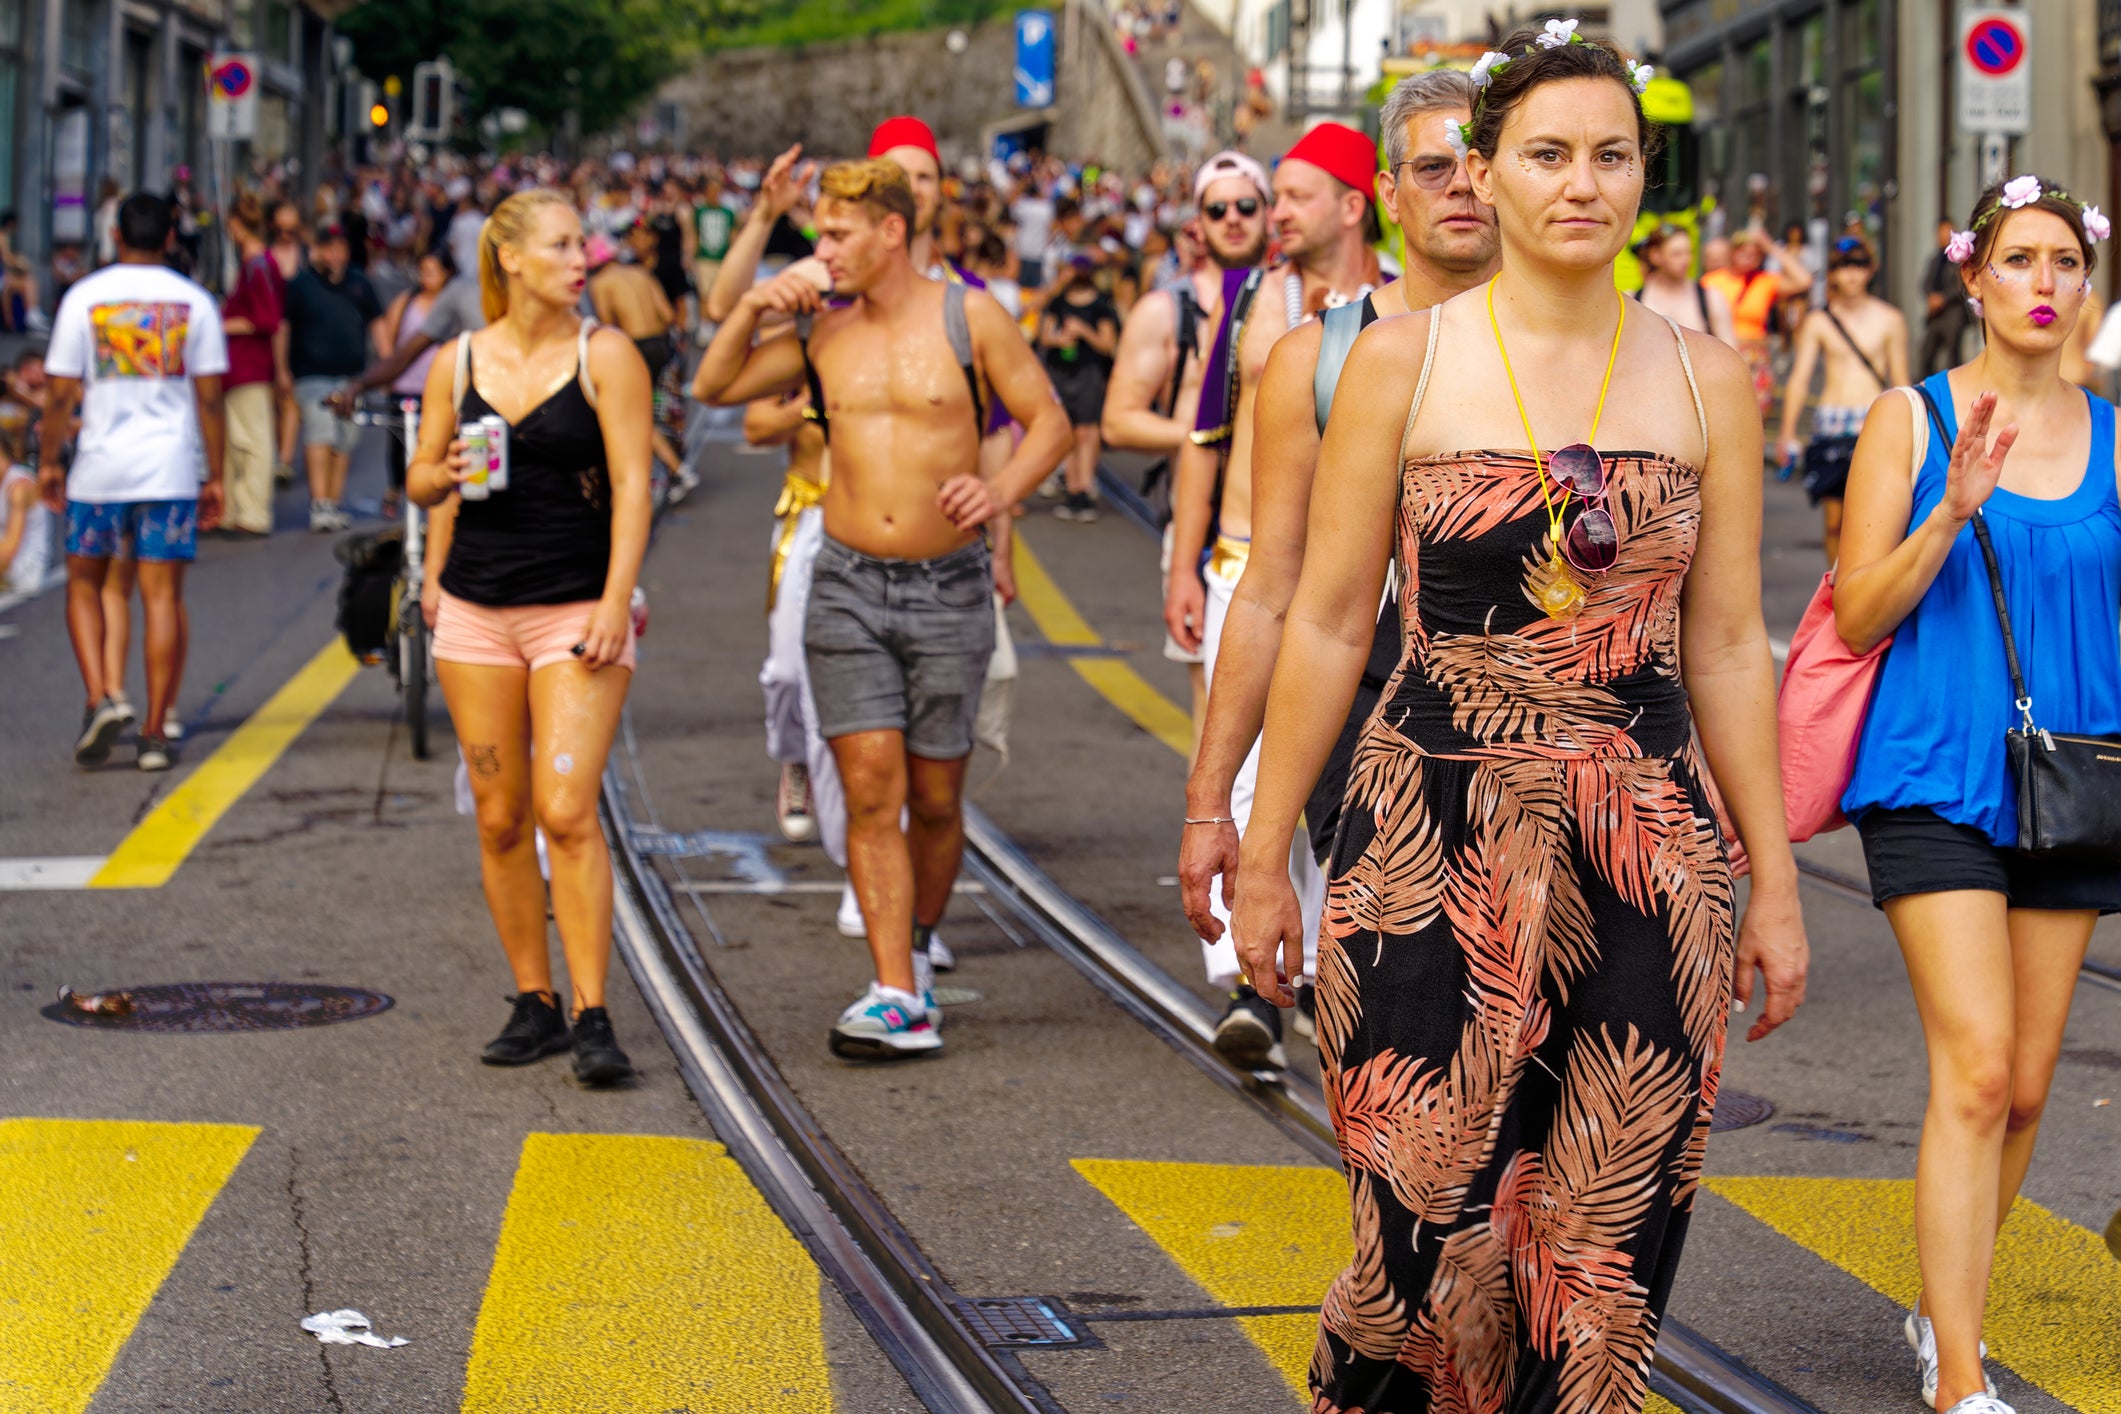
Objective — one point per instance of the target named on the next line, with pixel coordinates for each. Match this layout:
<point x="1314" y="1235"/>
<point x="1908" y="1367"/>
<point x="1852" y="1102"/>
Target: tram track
<point x="929" y="1331"/>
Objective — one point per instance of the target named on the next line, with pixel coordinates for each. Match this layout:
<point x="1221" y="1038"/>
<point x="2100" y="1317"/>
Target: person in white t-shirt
<point x="140" y="349"/>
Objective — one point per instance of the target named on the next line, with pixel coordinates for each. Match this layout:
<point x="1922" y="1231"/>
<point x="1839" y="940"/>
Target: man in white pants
<point x="1324" y="216"/>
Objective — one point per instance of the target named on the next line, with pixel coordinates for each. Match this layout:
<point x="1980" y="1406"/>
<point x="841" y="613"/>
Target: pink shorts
<point x="529" y="636"/>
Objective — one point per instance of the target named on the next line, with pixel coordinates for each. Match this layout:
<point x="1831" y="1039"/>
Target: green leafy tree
<point x="599" y="57"/>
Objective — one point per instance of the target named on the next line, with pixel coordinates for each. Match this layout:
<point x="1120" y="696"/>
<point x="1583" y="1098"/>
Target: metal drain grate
<point x="1024" y="1323"/>
<point x="227" y="1006"/>
<point x="1737" y="1110"/>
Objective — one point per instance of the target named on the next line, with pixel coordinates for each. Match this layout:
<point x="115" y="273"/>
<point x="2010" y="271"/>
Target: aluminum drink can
<point x="478" y="457"/>
<point x="496" y="452"/>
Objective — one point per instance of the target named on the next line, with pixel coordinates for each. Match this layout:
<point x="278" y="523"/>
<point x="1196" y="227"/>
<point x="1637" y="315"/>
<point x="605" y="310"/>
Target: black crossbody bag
<point x="2069" y="787"/>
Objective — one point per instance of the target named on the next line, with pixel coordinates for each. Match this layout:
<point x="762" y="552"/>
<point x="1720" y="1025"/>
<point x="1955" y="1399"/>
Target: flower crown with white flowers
<point x="1557" y="33"/>
<point x="2018" y="193"/>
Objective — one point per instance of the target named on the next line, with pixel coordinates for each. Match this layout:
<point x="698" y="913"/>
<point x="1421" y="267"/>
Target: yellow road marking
<point x="640" y="1274"/>
<point x="1204" y="1216"/>
<point x="159" y="844"/>
<point x="2051" y="1300"/>
<point x="1119" y="684"/>
<point x="95" y="1216"/>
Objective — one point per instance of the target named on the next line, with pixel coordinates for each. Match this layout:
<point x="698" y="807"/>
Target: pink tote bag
<point x="1826" y="689"/>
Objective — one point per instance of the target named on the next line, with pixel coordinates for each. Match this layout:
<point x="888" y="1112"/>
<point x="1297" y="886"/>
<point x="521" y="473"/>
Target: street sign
<point x="1995" y="71"/>
<point x="434" y="101"/>
<point x="232" y="96"/>
<point x="1034" y="59"/>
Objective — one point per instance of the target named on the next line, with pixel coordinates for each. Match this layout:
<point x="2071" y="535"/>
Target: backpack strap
<point x="1188" y="336"/>
<point x="958" y="330"/>
<point x="1338" y="327"/>
<point x="581" y="361"/>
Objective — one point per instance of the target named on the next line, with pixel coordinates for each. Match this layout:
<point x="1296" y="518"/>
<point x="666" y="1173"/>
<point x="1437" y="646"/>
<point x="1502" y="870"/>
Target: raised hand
<point x="1976" y="466"/>
<point x="784" y="183"/>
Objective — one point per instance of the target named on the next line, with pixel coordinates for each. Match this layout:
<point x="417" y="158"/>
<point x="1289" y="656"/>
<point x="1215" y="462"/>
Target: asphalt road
<point x="1055" y="1149"/>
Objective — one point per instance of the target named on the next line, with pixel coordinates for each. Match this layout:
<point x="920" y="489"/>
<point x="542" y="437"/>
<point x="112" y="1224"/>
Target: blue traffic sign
<point x="1034" y="59"/>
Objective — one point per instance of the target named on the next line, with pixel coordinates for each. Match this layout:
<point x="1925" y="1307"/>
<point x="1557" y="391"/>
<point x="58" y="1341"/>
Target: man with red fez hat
<point x="1326" y="223"/>
<point x="911" y="143"/>
<point x="1451" y="247"/>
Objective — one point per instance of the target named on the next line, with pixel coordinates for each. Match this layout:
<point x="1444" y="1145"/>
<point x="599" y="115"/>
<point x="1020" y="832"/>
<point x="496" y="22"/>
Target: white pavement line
<point x="56" y="872"/>
<point x="800" y="886"/>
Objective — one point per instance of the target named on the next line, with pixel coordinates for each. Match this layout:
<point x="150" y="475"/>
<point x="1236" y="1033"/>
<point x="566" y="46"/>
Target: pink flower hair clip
<point x="2096" y="225"/>
<point x="1960" y="247"/>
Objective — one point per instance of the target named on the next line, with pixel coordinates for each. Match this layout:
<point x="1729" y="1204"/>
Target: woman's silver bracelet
<point x="1212" y="820"/>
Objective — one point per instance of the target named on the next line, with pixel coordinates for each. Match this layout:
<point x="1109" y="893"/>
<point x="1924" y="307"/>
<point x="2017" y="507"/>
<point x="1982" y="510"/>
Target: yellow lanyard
<point x="1554" y="511"/>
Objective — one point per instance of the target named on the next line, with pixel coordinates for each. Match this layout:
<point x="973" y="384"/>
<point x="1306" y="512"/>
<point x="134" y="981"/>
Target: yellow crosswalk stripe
<point x="1062" y="623"/>
<point x="93" y="1215"/>
<point x="641" y="1274"/>
<point x="1250" y="1235"/>
<point x="2052" y="1299"/>
<point x="146" y="858"/>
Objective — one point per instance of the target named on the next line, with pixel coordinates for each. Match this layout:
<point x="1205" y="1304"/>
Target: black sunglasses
<point x="1246" y="206"/>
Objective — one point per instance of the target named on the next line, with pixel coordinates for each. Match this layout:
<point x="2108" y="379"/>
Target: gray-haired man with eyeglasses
<point x="1450" y="247"/>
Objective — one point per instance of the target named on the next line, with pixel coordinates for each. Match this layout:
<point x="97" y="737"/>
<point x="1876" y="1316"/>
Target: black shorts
<point x="656" y="353"/>
<point x="1826" y="467"/>
<point x="1081" y="390"/>
<point x="1918" y="851"/>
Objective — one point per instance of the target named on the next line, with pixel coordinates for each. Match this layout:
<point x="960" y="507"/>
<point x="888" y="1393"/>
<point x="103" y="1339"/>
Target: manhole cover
<point x="955" y="996"/>
<point x="1024" y="1322"/>
<point x="227" y="1006"/>
<point x="1736" y="1110"/>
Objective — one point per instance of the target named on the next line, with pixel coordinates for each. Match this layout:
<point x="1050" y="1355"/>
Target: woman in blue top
<point x="1992" y="938"/>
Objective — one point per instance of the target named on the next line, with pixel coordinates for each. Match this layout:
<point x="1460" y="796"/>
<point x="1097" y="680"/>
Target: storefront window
<point x="1859" y="34"/>
<point x="78" y="32"/>
<point x="1811" y="52"/>
<point x="1759" y="72"/>
<point x="1863" y="153"/>
<point x="1706" y="84"/>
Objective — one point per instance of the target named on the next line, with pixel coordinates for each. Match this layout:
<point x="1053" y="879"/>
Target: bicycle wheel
<point x="414" y="660"/>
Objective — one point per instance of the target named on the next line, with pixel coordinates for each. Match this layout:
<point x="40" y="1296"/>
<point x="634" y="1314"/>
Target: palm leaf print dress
<point x="1525" y="966"/>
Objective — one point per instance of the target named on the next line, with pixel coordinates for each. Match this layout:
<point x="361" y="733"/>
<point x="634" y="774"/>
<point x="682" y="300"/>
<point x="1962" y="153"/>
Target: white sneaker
<point x="939" y="955"/>
<point x="924" y="983"/>
<point x="1922" y="1339"/>
<point x="850" y="916"/>
<point x="1981" y="1404"/>
<point x="320" y="518"/>
<point x="884" y="1024"/>
<point x="124" y="706"/>
<point x="172" y="726"/>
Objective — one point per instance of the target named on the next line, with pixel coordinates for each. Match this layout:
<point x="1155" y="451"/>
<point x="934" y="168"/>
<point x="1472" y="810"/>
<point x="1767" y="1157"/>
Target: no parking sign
<point x="232" y="96"/>
<point x="1995" y="71"/>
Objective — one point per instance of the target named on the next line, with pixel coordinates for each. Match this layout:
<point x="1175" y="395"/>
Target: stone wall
<point x="829" y="96"/>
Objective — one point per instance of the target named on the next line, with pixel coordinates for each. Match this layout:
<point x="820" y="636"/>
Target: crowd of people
<point x="1484" y="700"/>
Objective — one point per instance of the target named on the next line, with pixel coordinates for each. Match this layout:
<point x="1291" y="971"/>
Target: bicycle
<point x="405" y="647"/>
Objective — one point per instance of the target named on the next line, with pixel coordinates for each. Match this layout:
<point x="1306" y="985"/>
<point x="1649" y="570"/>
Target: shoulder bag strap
<point x="581" y="359"/>
<point x="2021" y="698"/>
<point x="463" y="374"/>
<point x="1188" y="335"/>
<point x="1846" y="338"/>
<point x="1701" y="297"/>
<point x="816" y="411"/>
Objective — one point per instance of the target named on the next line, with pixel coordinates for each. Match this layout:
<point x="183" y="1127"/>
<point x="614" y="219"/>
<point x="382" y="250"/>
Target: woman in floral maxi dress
<point x="1530" y="948"/>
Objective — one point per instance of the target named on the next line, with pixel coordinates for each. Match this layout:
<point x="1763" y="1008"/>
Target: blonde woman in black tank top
<point x="534" y="639"/>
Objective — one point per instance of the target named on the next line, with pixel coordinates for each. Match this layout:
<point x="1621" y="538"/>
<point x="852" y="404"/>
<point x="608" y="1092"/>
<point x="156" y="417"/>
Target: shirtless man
<point x="1863" y="340"/>
<point x="1450" y="248"/>
<point x="630" y="299"/>
<point x="1322" y="211"/>
<point x="901" y="617"/>
<point x="1154" y="394"/>
<point x="1670" y="289"/>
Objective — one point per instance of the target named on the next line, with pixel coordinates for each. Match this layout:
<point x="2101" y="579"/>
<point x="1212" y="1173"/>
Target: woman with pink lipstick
<point x="1992" y="935"/>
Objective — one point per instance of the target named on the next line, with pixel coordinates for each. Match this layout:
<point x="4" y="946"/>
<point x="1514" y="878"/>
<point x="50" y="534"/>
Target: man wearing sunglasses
<point x="1863" y="342"/>
<point x="1156" y="374"/>
<point x="1450" y="244"/>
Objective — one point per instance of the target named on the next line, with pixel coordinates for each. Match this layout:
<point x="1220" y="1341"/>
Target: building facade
<point x="115" y="90"/>
<point x="1844" y="113"/>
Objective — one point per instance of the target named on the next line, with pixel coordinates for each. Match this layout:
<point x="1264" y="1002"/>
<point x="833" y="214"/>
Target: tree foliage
<point x="600" y="57"/>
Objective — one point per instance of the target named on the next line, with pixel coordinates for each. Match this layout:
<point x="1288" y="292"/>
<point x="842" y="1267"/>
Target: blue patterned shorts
<point x="140" y="530"/>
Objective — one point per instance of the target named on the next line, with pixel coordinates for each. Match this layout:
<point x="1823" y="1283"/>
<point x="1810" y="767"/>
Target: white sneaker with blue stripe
<point x="885" y="1024"/>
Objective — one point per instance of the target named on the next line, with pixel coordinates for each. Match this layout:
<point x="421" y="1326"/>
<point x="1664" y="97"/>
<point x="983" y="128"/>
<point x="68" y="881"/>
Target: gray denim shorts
<point x="900" y="645"/>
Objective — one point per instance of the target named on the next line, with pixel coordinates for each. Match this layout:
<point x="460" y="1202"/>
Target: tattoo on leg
<point x="483" y="760"/>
